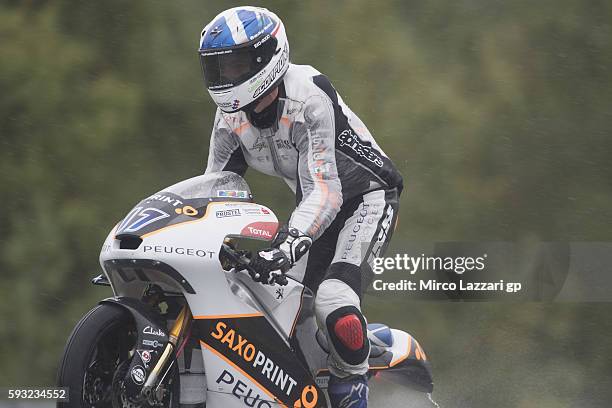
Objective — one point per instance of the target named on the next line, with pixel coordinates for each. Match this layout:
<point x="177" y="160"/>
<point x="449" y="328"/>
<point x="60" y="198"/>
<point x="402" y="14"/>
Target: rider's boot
<point x="348" y="392"/>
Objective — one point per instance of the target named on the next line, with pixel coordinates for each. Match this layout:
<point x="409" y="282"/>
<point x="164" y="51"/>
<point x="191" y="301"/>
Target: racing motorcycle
<point x="187" y="325"/>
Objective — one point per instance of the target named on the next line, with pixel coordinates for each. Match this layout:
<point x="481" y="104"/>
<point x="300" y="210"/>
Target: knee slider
<point x="347" y="332"/>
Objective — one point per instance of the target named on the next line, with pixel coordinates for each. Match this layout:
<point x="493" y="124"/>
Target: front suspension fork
<point x="181" y="324"/>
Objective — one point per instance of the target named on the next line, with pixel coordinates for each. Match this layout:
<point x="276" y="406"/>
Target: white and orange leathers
<point x="318" y="146"/>
<point x="327" y="156"/>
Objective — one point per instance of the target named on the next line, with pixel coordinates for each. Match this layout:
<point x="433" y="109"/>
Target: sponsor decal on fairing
<point x="231" y="212"/>
<point x="201" y="253"/>
<point x="138" y="375"/>
<point x="145" y="356"/>
<point x="153" y="331"/>
<point x="263" y="357"/>
<point x="233" y="193"/>
<point x="262" y="230"/>
<point x="152" y="343"/>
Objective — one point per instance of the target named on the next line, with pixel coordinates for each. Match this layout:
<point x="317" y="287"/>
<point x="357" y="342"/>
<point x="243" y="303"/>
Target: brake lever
<point x="281" y="280"/>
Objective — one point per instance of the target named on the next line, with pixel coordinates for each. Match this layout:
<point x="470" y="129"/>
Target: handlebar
<point x="239" y="260"/>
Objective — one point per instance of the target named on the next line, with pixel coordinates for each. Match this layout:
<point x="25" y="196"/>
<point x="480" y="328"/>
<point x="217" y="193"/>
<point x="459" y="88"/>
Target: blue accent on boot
<point x="349" y="392"/>
<point x="380" y="334"/>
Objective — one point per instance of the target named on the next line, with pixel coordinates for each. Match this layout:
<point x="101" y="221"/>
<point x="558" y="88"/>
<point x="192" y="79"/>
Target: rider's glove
<point x="292" y="242"/>
<point x="269" y="266"/>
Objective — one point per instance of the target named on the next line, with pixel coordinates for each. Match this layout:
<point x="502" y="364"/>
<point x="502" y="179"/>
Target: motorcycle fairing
<point x="146" y="271"/>
<point x="403" y="362"/>
<point x="151" y="340"/>
<point x="253" y="347"/>
<point x="394" y="355"/>
<point x="159" y="211"/>
<point x="281" y="303"/>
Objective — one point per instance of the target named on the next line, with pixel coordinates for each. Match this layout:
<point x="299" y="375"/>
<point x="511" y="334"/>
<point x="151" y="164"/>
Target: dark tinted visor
<point x="229" y="67"/>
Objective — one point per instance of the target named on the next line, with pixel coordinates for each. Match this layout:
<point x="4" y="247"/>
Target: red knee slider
<point x="349" y="331"/>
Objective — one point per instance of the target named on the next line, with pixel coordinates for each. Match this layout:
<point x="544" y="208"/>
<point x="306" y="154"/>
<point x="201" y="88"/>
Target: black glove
<point x="268" y="266"/>
<point x="292" y="242"/>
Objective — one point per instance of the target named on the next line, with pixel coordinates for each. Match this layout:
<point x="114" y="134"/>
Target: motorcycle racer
<point x="288" y="121"/>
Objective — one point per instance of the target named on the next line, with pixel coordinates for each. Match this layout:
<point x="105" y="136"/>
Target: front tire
<point x="101" y="343"/>
<point x="98" y="343"/>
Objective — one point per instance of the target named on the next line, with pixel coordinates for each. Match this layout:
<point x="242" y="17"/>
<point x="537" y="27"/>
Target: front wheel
<point x="95" y="358"/>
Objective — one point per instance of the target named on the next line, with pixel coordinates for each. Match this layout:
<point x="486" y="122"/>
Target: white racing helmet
<point x="244" y="54"/>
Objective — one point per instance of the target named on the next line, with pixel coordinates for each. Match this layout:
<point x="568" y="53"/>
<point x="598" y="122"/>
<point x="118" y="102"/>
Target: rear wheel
<point x="96" y="358"/>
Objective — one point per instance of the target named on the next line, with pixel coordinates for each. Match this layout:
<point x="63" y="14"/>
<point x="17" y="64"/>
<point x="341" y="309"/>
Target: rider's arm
<point x="224" y="152"/>
<point x="319" y="185"/>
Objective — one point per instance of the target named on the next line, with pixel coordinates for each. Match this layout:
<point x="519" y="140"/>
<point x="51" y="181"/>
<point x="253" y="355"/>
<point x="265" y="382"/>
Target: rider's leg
<point x="339" y="316"/>
<point x="365" y="233"/>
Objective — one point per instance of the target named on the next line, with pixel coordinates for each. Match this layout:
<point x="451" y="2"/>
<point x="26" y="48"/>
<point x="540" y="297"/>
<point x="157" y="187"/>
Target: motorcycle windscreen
<point x="182" y="202"/>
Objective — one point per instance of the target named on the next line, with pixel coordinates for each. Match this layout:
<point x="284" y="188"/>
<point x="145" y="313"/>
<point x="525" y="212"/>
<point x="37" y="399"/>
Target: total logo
<point x="261" y="230"/>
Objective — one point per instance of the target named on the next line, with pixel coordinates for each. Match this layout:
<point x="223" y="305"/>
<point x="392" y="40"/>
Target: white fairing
<point x="192" y="249"/>
<point x="189" y="243"/>
<point x="282" y="302"/>
<point x="203" y="271"/>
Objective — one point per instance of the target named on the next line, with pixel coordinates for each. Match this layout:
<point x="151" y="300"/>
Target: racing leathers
<point x="346" y="191"/>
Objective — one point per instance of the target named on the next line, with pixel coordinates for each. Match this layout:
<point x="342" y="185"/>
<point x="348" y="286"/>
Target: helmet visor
<point x="230" y="67"/>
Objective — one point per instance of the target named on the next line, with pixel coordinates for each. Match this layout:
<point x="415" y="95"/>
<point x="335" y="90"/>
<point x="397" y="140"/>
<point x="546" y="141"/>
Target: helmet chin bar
<point x="250" y="108"/>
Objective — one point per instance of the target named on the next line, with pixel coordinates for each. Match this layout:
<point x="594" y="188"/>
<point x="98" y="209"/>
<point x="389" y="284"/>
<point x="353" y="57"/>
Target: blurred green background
<point x="497" y="114"/>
